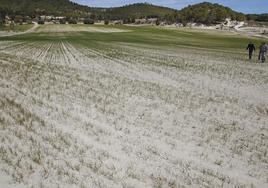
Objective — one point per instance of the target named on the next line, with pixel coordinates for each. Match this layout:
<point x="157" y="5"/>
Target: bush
<point x="18" y="19"/>
<point x="62" y="21"/>
<point x="1" y="21"/>
<point x="184" y="23"/>
<point x="88" y="21"/>
<point x="72" y="22"/>
<point x="106" y="22"/>
<point x="29" y="21"/>
<point x="41" y="22"/>
<point x="127" y="21"/>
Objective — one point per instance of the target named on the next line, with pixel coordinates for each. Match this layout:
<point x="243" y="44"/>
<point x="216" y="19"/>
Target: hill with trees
<point x="208" y="13"/>
<point x="43" y="7"/>
<point x="137" y="10"/>
<point x="69" y="8"/>
<point x="258" y="17"/>
<point x="205" y="13"/>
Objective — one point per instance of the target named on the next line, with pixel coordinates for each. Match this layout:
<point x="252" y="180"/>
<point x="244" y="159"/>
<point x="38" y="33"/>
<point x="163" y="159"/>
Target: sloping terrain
<point x="69" y="8"/>
<point x="118" y="114"/>
<point x="137" y="10"/>
<point x="43" y="7"/>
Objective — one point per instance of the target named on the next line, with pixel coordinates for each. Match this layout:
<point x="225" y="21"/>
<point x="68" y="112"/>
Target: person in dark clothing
<point x="259" y="58"/>
<point x="251" y="48"/>
<point x="263" y="52"/>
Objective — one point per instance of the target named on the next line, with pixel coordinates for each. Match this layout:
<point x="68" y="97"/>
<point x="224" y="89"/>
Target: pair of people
<point x="263" y="51"/>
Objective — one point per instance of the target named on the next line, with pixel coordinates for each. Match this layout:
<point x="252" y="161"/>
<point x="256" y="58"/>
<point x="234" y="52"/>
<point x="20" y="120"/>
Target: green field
<point x="16" y="28"/>
<point x="160" y="37"/>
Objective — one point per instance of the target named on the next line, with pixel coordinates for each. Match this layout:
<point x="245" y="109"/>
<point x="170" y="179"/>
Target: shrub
<point x="1" y="21"/>
<point x="62" y="21"/>
<point x="41" y="22"/>
<point x="157" y="22"/>
<point x="29" y="21"/>
<point x="106" y="22"/>
<point x="127" y="21"/>
<point x="72" y="21"/>
<point x="88" y="21"/>
<point x="184" y="23"/>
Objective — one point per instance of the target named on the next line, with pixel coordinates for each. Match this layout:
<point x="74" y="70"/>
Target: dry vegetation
<point x="131" y="115"/>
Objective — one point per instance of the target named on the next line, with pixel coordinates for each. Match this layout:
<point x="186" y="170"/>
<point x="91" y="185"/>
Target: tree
<point x="99" y="17"/>
<point x="208" y="13"/>
<point x="88" y="21"/>
<point x="2" y="17"/>
<point x="72" y="21"/>
<point x="12" y="26"/>
<point x="257" y="17"/>
<point x="106" y="22"/>
<point x="62" y="21"/>
<point x="211" y="17"/>
<point x="127" y="21"/>
<point x="41" y="22"/>
<point x="157" y="22"/>
<point x="18" y="19"/>
<point x="93" y="16"/>
<point x="221" y="15"/>
<point x="240" y="17"/>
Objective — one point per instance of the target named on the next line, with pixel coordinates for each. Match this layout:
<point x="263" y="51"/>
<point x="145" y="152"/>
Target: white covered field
<point x="126" y="115"/>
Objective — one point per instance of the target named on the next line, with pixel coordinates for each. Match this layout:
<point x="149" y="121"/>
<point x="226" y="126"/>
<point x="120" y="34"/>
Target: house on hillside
<point x="43" y="17"/>
<point x="230" y="24"/>
<point x="146" y="21"/>
<point x="152" y="20"/>
<point x="179" y="25"/>
<point x="46" y="18"/>
<point x="51" y="17"/>
<point x="60" y="18"/>
<point x="56" y="20"/>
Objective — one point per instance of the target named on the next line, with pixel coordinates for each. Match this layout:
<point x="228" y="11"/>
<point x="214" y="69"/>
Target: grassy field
<point x="16" y="28"/>
<point x="209" y="40"/>
<point x="105" y="106"/>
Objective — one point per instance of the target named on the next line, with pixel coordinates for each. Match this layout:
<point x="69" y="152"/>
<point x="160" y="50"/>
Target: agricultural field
<point x="52" y="28"/>
<point x="107" y="106"/>
<point x="16" y="28"/>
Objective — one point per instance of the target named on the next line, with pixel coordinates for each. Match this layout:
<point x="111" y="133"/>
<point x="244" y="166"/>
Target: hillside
<point x="34" y="7"/>
<point x="138" y="10"/>
<point x="208" y="13"/>
<point x="258" y="17"/>
<point x="69" y="8"/>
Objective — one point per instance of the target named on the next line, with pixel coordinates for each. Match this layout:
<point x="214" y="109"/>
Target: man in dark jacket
<point x="251" y="48"/>
<point x="263" y="52"/>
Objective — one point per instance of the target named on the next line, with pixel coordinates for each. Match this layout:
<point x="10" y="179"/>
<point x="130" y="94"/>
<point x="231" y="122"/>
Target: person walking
<point x="251" y="48"/>
<point x="263" y="52"/>
<point x="259" y="58"/>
